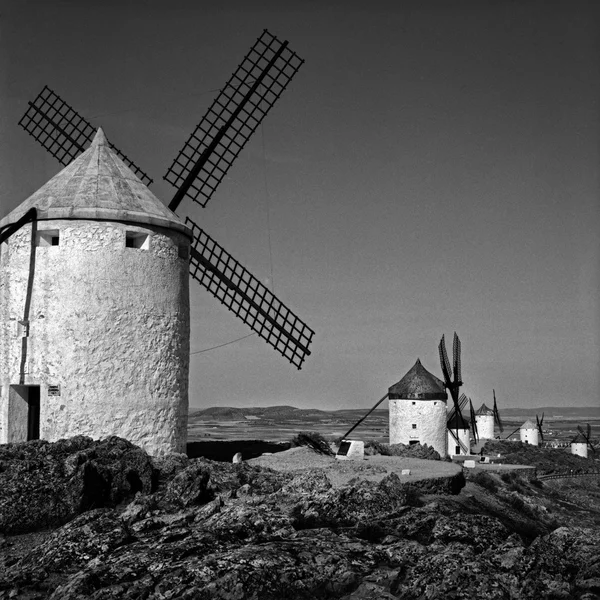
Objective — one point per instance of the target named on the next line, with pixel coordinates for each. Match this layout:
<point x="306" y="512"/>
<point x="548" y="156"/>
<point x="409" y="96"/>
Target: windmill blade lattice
<point x="473" y="421"/>
<point x="232" y="118"/>
<point x="64" y="132"/>
<point x="462" y="402"/>
<point x="456" y="359"/>
<point x="497" y="418"/>
<point x="243" y="294"/>
<point x="444" y="362"/>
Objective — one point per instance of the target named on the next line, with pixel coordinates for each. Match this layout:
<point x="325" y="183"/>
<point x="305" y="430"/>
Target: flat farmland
<point x="282" y="423"/>
<point x="274" y="424"/>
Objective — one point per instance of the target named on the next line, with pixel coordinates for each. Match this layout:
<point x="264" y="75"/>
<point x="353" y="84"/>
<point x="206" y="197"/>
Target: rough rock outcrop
<point x="415" y="451"/>
<point x="46" y="484"/>
<point x="238" y="531"/>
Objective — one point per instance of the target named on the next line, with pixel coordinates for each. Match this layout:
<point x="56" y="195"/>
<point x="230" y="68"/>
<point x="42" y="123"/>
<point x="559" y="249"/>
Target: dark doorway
<point x="33" y="414"/>
<point x="413" y="442"/>
<point x="23" y="413"/>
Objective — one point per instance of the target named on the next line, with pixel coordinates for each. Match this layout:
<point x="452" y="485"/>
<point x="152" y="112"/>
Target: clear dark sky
<point x="432" y="168"/>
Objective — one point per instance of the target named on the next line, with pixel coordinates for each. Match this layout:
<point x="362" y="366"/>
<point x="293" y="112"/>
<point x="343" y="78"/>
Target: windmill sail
<point x="456" y="359"/>
<point x="497" y="418"/>
<point x="231" y="120"/>
<point x="445" y="364"/>
<point x="462" y="402"/>
<point x="539" y="423"/>
<point x="63" y="132"/>
<point x="473" y="421"/>
<point x="243" y="294"/>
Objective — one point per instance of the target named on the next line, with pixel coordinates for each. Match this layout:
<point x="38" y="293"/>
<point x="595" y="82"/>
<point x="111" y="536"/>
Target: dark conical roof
<point x="484" y="410"/>
<point x="458" y="422"/>
<point x="418" y="384"/>
<point x="97" y="185"/>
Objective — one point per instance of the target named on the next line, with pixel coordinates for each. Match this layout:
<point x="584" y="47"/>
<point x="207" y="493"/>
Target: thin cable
<point x="262" y="135"/>
<point x="221" y="345"/>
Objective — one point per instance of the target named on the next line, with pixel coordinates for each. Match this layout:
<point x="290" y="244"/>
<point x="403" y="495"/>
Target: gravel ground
<point x="373" y="468"/>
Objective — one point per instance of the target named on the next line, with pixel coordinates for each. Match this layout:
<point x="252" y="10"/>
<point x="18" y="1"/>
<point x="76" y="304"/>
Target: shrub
<point x="485" y="480"/>
<point x="313" y="440"/>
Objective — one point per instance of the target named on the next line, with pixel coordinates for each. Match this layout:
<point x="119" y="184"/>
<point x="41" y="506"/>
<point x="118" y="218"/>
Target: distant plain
<point x="282" y="423"/>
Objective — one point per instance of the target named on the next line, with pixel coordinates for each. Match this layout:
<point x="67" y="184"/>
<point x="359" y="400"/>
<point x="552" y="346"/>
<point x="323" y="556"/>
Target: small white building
<point x="529" y="433"/>
<point x="94" y="311"/>
<point x="459" y="436"/>
<point x="484" y="418"/>
<point x="417" y="406"/>
<point x="579" y="446"/>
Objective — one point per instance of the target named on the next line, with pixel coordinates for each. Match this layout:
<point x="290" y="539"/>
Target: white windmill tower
<point x="582" y="442"/>
<point x="417" y="407"/>
<point x="94" y="273"/>
<point x="529" y="433"/>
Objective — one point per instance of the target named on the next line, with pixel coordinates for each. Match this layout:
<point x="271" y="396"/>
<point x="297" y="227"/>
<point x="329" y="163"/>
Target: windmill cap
<point x="98" y="185"/>
<point x="418" y="384"/>
<point x="484" y="410"/>
<point x="528" y="425"/>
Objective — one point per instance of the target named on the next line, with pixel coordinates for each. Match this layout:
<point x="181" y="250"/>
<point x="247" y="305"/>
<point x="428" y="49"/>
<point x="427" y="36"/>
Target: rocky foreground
<point x="102" y="520"/>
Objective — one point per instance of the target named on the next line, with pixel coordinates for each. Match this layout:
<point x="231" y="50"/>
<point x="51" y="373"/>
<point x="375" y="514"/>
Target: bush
<point x="485" y="480"/>
<point x="313" y="440"/>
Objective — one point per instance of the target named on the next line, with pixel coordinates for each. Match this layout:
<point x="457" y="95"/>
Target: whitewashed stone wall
<point x="579" y="449"/>
<point x="108" y="324"/>
<point x="464" y="436"/>
<point x="530" y="436"/>
<point x="429" y="416"/>
<point x="485" y="426"/>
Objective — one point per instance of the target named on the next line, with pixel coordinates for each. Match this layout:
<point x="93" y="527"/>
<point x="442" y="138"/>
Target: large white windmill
<point x="94" y="273"/>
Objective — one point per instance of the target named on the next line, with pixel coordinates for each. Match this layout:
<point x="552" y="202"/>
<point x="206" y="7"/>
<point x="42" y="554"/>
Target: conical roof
<point x="418" y="384"/>
<point x="484" y="410"/>
<point x="528" y="425"/>
<point x="458" y="422"/>
<point x="97" y="185"/>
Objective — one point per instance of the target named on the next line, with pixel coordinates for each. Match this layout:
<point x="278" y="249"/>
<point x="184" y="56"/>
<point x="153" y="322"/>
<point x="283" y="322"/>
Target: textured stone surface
<point x="44" y="484"/>
<point x="108" y="324"/>
<point x="236" y="532"/>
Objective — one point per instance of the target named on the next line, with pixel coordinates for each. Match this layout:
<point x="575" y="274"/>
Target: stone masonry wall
<point x="428" y="415"/>
<point x="109" y="325"/>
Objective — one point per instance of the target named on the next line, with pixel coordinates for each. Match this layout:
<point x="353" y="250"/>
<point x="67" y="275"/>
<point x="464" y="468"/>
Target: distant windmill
<point x="91" y="293"/>
<point x="582" y="442"/>
<point x="452" y="381"/>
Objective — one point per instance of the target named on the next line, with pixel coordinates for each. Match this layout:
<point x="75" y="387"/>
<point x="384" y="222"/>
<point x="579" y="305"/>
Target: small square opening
<point x="414" y="425"/>
<point x="184" y="252"/>
<point x="48" y="237"/>
<point x="134" y="239"/>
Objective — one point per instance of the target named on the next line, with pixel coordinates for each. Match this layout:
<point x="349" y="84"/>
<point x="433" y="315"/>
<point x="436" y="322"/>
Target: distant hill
<point x="582" y="412"/>
<point x="219" y="413"/>
<point x="284" y="412"/>
<point x="229" y="413"/>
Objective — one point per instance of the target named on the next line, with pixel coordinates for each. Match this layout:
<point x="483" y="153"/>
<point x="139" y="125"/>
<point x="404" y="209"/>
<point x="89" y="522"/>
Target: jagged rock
<point x="225" y="531"/>
<point x="414" y="451"/>
<point x="46" y="484"/>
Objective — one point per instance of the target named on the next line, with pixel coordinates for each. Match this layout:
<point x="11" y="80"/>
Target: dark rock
<point x="225" y="531"/>
<point x="46" y="484"/>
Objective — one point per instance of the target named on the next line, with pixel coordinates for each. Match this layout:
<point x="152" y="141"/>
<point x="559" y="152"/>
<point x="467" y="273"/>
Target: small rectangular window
<point x="48" y="237"/>
<point x="134" y="239"/>
<point x="413" y="403"/>
<point x="184" y="252"/>
<point x="414" y="425"/>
